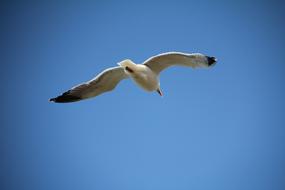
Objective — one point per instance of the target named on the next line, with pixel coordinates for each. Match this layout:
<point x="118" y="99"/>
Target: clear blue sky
<point x="216" y="129"/>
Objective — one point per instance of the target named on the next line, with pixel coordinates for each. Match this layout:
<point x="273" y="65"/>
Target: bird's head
<point x="128" y="65"/>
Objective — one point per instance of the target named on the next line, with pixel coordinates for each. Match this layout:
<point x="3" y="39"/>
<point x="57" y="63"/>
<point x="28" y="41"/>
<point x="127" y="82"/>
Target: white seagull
<point x="145" y="75"/>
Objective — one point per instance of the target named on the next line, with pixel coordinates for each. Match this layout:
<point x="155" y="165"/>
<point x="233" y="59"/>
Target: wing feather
<point x="103" y="82"/>
<point x="162" y="61"/>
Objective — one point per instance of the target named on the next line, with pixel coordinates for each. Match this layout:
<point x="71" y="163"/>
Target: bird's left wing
<point x="162" y="61"/>
<point x="103" y="82"/>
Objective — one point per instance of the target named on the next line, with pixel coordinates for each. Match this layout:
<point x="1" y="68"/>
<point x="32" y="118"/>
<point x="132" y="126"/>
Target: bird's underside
<point x="109" y="78"/>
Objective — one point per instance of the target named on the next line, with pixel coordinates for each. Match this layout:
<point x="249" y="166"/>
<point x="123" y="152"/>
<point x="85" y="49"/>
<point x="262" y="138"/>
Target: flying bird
<point x="145" y="75"/>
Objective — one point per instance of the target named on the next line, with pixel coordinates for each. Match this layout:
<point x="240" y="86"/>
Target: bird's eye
<point x="129" y="70"/>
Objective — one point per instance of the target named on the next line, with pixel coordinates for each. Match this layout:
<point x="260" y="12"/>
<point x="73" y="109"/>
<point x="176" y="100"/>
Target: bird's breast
<point x="146" y="79"/>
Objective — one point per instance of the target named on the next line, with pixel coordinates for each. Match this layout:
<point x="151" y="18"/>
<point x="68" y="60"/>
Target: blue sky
<point x="215" y="129"/>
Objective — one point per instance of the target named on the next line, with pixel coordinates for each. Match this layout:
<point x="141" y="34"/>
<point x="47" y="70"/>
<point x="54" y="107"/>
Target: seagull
<point x="145" y="75"/>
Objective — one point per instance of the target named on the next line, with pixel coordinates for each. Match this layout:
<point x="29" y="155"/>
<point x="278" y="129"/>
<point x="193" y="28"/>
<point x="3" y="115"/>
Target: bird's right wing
<point x="103" y="82"/>
<point x="162" y="61"/>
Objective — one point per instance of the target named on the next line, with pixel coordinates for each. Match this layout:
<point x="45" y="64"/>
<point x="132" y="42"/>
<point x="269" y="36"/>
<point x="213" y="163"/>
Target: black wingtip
<point x="65" y="98"/>
<point x="52" y="99"/>
<point x="211" y="60"/>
